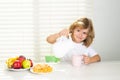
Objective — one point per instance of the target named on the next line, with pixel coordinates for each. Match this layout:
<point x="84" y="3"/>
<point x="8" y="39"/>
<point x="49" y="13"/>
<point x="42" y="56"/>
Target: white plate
<point x="11" y="69"/>
<point x="31" y="70"/>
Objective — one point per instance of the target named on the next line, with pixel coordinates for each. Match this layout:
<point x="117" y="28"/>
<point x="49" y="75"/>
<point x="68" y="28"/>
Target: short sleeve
<point x="62" y="38"/>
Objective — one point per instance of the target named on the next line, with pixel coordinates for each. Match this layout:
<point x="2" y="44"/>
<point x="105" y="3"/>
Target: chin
<point x="78" y="41"/>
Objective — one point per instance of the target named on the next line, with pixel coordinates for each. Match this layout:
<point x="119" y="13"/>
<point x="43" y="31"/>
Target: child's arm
<point x="52" y="38"/>
<point x="88" y="60"/>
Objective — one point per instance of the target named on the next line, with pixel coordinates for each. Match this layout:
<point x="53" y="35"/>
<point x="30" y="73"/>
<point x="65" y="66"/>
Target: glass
<point x="77" y="60"/>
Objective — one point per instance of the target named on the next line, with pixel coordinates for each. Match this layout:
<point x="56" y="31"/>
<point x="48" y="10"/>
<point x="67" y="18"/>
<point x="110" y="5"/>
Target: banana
<point x="10" y="61"/>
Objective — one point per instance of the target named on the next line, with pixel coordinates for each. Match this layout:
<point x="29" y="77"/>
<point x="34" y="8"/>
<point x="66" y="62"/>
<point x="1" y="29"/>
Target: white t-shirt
<point x="65" y="48"/>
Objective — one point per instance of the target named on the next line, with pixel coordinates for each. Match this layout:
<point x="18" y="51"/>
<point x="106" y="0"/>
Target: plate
<point x="11" y="69"/>
<point x="31" y="70"/>
<point x="41" y="68"/>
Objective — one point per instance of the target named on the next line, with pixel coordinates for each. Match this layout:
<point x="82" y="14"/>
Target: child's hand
<point x="86" y="59"/>
<point x="64" y="32"/>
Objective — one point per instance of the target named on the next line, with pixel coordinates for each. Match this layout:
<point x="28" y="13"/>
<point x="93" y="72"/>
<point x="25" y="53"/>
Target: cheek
<point x="84" y="36"/>
<point x="76" y="33"/>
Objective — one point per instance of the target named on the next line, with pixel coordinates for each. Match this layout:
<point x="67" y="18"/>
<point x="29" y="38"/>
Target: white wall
<point x="25" y="24"/>
<point x="107" y="26"/>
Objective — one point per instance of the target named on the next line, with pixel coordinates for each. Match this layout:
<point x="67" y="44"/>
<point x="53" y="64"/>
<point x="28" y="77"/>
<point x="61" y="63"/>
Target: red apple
<point x="17" y="64"/>
<point x="31" y="62"/>
<point x="21" y="58"/>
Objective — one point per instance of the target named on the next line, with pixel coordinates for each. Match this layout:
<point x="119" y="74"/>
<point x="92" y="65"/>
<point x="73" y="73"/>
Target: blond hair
<point x="84" y="23"/>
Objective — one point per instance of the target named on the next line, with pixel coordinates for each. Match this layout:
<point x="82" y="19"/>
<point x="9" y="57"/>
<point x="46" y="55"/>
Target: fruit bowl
<point x="12" y="69"/>
<point x="19" y="63"/>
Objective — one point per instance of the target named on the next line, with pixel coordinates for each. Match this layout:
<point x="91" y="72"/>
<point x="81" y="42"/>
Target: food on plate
<point x="42" y="68"/>
<point x="26" y="64"/>
<point x="31" y="62"/>
<point x="21" y="58"/>
<point x="10" y="61"/>
<point x="17" y="65"/>
<point x="19" y="62"/>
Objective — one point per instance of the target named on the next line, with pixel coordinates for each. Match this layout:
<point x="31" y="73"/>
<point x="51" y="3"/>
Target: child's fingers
<point x="64" y="32"/>
<point x="84" y="55"/>
<point x="86" y="59"/>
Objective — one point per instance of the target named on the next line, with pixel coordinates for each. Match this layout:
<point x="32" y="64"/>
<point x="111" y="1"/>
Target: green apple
<point x="26" y="64"/>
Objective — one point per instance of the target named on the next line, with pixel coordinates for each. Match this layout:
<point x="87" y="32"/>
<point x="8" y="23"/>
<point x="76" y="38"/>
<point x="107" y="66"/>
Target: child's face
<point x="79" y="34"/>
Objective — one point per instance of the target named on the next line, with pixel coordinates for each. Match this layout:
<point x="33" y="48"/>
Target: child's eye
<point x="78" y="30"/>
<point x="84" y="33"/>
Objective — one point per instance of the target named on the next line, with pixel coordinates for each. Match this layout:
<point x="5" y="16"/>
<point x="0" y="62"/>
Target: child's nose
<point x="80" y="34"/>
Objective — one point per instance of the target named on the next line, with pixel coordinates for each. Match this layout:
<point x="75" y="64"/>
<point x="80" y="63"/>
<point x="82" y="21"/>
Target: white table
<point x="65" y="71"/>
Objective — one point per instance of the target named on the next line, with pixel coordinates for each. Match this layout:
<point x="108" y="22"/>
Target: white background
<point x="107" y="28"/>
<point x="25" y="24"/>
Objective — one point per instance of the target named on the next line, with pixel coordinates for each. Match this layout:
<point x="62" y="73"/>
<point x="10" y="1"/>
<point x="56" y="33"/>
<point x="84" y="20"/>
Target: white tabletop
<point x="65" y="71"/>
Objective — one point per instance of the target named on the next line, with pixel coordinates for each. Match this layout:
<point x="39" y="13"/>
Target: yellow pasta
<point x="42" y="68"/>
